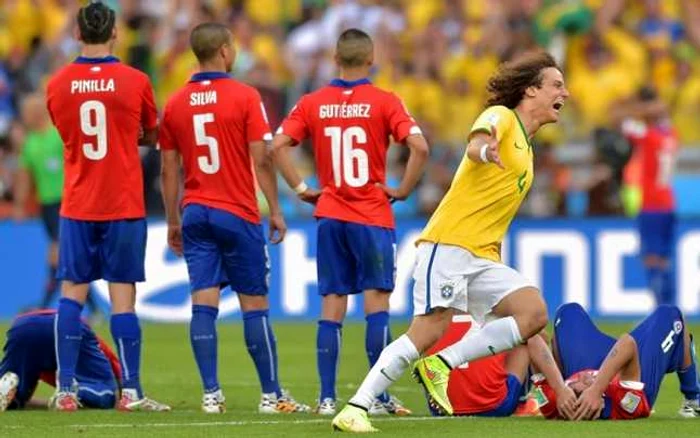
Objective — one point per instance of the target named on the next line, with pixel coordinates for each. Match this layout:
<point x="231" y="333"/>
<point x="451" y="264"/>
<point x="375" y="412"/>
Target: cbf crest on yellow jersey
<point x="483" y="198"/>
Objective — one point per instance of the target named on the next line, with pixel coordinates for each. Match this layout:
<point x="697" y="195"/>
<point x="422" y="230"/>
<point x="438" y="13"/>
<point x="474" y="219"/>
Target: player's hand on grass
<point x="393" y="194"/>
<point x="492" y="155"/>
<point x="310" y="195"/>
<point x="590" y="405"/>
<point x="567" y="403"/>
<point x="278" y="228"/>
<point x="175" y="238"/>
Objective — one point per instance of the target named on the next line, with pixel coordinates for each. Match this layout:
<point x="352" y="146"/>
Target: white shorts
<point x="451" y="277"/>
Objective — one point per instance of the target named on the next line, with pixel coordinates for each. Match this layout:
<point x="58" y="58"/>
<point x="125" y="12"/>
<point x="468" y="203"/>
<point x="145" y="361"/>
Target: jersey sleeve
<point x="257" y="126"/>
<point x="166" y="138"/>
<point x="499" y="117"/>
<point x="149" y="112"/>
<point x="295" y="124"/>
<point x="629" y="400"/>
<point x="401" y="124"/>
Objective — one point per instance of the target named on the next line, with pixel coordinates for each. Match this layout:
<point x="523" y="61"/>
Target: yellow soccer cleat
<point x="433" y="374"/>
<point x="353" y="419"/>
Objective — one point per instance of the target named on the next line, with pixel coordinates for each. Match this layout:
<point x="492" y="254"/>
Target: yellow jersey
<point x="483" y="198"/>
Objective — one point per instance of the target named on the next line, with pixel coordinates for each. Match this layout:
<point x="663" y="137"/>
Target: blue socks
<point x="689" y="376"/>
<point x="327" y="349"/>
<point x="377" y="336"/>
<point x="126" y="333"/>
<point x="262" y="348"/>
<point x="68" y="338"/>
<point x="204" y="344"/>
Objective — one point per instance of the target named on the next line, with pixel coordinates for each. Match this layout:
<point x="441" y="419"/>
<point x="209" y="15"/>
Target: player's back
<point x="659" y="147"/>
<point x="350" y="125"/>
<point x="100" y="107"/>
<point x="211" y="122"/>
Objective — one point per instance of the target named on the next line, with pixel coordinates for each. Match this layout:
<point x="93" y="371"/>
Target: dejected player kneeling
<point x="28" y="358"/>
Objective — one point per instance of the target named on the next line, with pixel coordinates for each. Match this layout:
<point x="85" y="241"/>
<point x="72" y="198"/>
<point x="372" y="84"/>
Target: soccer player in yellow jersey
<point x="458" y="263"/>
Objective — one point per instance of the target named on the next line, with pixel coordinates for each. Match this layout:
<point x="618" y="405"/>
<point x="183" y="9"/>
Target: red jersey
<point x="211" y="122"/>
<point x="626" y="399"/>
<point x="349" y="124"/>
<point x="100" y="107"/>
<point x="656" y="147"/>
<point x="477" y="386"/>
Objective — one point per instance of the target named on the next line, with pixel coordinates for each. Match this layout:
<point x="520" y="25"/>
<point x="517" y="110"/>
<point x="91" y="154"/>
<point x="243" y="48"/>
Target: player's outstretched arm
<point x="542" y="359"/>
<point x="483" y="148"/>
<point x="280" y="154"/>
<point x="170" y="188"/>
<point x="620" y="356"/>
<point x="419" y="151"/>
<point x="265" y="173"/>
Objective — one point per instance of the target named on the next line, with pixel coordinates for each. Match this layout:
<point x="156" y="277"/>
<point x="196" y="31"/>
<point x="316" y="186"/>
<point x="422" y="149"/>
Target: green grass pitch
<point x="169" y="374"/>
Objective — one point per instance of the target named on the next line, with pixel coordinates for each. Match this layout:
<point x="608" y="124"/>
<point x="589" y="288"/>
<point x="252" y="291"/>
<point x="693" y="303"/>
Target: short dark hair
<point x="207" y="38"/>
<point x="354" y="47"/>
<point x="96" y="23"/>
<point x="507" y="86"/>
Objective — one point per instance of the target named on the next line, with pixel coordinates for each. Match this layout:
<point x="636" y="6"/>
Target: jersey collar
<point x="208" y="76"/>
<point x="522" y="127"/>
<point x="105" y="60"/>
<point x="337" y="82"/>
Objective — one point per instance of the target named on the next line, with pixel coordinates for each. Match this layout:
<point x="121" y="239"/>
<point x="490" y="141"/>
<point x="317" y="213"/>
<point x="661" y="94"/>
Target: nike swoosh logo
<point x="516" y="145"/>
<point x="492" y="350"/>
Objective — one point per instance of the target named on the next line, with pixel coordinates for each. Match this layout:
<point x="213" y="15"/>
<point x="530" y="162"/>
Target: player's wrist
<point x="482" y="153"/>
<point x="301" y="188"/>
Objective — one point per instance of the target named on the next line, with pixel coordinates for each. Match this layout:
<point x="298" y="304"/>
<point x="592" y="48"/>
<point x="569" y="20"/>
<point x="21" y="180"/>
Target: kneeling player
<point x="620" y="379"/>
<point x="496" y="386"/>
<point x="29" y="357"/>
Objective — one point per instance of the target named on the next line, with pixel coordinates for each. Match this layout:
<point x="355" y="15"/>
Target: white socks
<point x="494" y="337"/>
<point x="392" y="363"/>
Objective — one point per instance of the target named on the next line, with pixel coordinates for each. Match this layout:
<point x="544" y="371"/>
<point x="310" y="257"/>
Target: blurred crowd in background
<point x="436" y="54"/>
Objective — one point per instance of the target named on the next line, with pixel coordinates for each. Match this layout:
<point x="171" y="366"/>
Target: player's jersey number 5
<point x="350" y="165"/>
<point x="209" y="165"/>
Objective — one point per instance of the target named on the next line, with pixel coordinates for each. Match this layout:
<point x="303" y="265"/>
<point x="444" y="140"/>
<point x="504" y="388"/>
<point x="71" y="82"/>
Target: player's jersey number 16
<point x="212" y="164"/>
<point x="350" y="164"/>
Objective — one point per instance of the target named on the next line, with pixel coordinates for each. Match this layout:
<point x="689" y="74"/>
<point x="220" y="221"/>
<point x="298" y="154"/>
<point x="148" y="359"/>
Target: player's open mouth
<point x="558" y="106"/>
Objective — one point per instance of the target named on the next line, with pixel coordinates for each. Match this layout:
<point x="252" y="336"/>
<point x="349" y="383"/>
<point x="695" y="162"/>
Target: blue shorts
<point x="352" y="258"/>
<point x="510" y="403"/>
<point x="111" y="250"/>
<point x="578" y="342"/>
<point x="656" y="233"/>
<point x="29" y="351"/>
<point x="660" y="345"/>
<point x="221" y="248"/>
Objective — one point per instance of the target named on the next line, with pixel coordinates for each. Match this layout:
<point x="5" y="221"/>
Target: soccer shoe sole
<point x="418" y="375"/>
<point x="8" y="389"/>
<point x="339" y="427"/>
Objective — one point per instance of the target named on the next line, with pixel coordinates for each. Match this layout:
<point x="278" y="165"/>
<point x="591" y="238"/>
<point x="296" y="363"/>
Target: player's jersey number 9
<point x="212" y="164"/>
<point x="350" y="164"/>
<point x="93" y="122"/>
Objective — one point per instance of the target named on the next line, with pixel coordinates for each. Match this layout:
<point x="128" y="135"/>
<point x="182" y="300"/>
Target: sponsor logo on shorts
<point x="630" y="402"/>
<point x="677" y="326"/>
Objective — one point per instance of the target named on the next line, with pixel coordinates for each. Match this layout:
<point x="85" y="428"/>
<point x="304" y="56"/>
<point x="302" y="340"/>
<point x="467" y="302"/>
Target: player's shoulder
<point x="238" y="88"/>
<point x="499" y="111"/>
<point x="131" y="72"/>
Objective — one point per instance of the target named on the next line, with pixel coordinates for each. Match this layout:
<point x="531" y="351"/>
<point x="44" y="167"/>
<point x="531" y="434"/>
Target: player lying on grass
<point x="29" y="358"/>
<point x="496" y="386"/>
<point x="620" y="379"/>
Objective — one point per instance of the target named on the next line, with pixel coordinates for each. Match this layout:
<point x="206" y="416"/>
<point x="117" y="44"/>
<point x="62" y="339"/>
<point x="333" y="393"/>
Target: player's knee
<point x="569" y="308"/>
<point x="538" y="320"/>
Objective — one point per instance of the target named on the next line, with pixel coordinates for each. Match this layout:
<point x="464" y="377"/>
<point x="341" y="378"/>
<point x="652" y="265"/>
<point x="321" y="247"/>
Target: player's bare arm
<point x="542" y="359"/>
<point x="265" y="173"/>
<point x="483" y="148"/>
<point x="419" y="151"/>
<point x="170" y="188"/>
<point x="621" y="356"/>
<point x="280" y="154"/>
